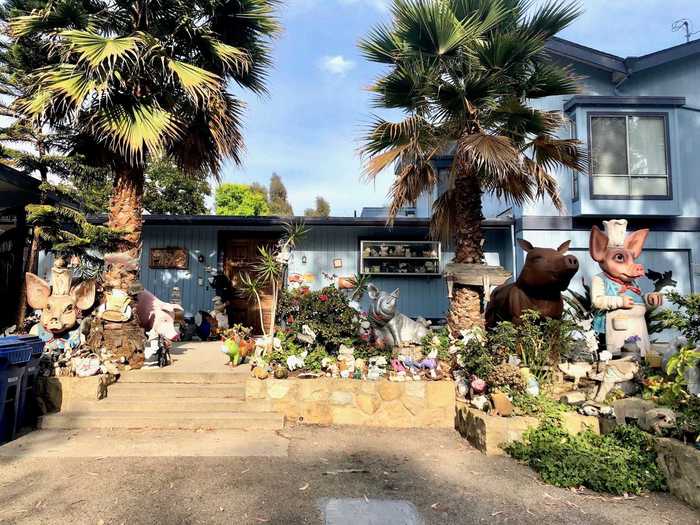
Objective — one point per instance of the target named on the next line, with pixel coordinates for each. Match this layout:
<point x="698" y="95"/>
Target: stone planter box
<point x="383" y="403"/>
<point x="487" y="433"/>
<point x="681" y="465"/>
<point x="60" y="393"/>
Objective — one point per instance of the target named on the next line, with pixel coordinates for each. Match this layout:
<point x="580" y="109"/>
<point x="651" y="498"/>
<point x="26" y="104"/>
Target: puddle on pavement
<point x="360" y="511"/>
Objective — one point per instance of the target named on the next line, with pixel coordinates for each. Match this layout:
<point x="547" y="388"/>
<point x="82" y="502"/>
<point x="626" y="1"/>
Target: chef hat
<point x="616" y="229"/>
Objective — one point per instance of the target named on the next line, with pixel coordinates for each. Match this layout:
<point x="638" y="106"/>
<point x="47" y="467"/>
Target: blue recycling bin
<point x="14" y="356"/>
<point x="27" y="399"/>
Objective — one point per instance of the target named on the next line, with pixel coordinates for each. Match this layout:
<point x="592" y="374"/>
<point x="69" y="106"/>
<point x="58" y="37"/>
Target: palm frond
<point x="198" y="83"/>
<point x="551" y="18"/>
<point x="98" y="50"/>
<point x="493" y="154"/>
<point x="444" y="216"/>
<point x="134" y="132"/>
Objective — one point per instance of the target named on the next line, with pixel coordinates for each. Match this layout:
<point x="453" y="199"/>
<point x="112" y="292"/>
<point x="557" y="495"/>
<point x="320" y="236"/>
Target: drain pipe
<point x="512" y="244"/>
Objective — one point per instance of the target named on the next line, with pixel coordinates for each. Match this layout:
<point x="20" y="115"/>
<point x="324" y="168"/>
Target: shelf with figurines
<point x="401" y="258"/>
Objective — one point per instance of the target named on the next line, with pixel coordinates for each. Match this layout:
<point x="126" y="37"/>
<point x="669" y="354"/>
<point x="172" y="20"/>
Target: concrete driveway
<point x="297" y="475"/>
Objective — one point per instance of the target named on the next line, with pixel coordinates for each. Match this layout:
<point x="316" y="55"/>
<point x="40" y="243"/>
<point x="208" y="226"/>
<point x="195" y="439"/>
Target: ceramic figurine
<point x="219" y="313"/>
<point x="395" y="328"/>
<point x="615" y="293"/>
<point x="546" y="274"/>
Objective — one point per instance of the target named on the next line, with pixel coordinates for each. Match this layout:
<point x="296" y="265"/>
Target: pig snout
<point x="637" y="270"/>
<point x="571" y="263"/>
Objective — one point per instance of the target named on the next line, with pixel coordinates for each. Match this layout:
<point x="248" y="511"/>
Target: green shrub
<point x="623" y="461"/>
<point x="325" y="311"/>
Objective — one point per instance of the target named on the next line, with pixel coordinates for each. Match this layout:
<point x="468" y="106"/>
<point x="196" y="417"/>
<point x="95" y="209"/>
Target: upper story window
<point x="629" y="156"/>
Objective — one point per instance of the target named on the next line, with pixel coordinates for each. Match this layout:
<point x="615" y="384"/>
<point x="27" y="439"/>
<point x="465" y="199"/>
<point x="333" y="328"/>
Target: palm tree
<point x="134" y="80"/>
<point x="464" y="73"/>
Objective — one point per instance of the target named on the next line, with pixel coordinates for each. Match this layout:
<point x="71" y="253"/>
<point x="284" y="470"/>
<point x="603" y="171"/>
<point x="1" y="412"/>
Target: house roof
<point x="616" y="64"/>
<point x="276" y="222"/>
<point x="18" y="189"/>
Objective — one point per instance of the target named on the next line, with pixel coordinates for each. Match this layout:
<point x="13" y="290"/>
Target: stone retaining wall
<point x="487" y="433"/>
<point x="681" y="465"/>
<point x="382" y="403"/>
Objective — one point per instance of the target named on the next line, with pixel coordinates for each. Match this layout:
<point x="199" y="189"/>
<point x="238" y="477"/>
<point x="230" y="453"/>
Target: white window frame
<point x="627" y="115"/>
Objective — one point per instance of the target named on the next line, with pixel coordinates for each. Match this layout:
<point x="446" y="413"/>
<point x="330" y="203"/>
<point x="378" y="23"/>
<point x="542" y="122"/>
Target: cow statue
<point x="615" y="293"/>
<point x="392" y="326"/>
<point x="546" y="274"/>
<point x="60" y="304"/>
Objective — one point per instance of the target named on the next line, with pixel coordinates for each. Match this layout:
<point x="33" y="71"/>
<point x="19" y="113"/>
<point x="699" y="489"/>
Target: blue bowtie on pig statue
<point x="615" y="294"/>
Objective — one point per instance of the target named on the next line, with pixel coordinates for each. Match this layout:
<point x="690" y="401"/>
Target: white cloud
<point x="337" y="65"/>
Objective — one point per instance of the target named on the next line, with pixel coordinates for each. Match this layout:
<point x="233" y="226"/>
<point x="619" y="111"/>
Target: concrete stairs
<point x="162" y="400"/>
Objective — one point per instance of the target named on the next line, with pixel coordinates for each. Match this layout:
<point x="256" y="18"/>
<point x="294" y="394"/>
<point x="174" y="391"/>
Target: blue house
<point x="639" y="119"/>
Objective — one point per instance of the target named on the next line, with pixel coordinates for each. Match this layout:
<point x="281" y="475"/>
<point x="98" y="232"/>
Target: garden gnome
<point x="615" y="294"/>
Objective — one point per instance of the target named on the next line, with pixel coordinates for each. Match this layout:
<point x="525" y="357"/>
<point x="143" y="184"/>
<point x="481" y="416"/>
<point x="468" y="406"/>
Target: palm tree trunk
<point x="126" y="206"/>
<point x="125" y="340"/>
<point x="465" y="307"/>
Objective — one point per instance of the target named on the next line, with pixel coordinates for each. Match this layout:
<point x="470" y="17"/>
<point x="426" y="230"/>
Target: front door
<point x="240" y="258"/>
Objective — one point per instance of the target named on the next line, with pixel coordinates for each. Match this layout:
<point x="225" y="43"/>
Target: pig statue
<point x="158" y="316"/>
<point x="546" y="274"/>
<point x="59" y="305"/>
<point x="394" y="327"/>
<point x="615" y="294"/>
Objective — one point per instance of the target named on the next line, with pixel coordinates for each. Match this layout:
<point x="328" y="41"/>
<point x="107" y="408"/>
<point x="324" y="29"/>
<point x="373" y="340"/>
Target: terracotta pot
<point x="345" y="283"/>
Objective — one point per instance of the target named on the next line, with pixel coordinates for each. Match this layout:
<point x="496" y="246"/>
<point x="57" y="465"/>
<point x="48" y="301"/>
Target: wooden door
<point x="240" y="257"/>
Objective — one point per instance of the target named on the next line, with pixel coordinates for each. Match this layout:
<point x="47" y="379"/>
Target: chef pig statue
<point x="615" y="293"/>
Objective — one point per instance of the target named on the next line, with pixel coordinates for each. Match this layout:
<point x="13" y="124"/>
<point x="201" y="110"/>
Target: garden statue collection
<point x="615" y="293"/>
<point x="546" y="274"/>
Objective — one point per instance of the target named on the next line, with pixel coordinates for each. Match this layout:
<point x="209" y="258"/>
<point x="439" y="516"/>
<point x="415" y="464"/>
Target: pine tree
<point x="277" y="195"/>
<point x="323" y="208"/>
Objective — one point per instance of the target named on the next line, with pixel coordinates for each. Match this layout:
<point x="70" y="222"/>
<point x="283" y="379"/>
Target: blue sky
<point x="309" y="126"/>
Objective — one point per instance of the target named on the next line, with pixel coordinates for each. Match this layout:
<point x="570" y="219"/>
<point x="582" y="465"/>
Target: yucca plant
<point x="465" y="73"/>
<point x="139" y="79"/>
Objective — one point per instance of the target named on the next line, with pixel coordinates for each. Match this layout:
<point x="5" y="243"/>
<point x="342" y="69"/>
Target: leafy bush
<point x="325" y="311"/>
<point x="542" y="406"/>
<point x="686" y="319"/>
<point x="623" y="461"/>
<point x="537" y="341"/>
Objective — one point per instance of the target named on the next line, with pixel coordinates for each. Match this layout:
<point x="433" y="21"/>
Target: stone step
<point x="171" y="420"/>
<point x="166" y="376"/>
<point x="121" y="390"/>
<point x="160" y="405"/>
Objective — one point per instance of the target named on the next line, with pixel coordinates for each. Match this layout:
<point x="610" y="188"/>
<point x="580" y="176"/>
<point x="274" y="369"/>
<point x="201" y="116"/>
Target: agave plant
<point x="465" y="73"/>
<point x="135" y="79"/>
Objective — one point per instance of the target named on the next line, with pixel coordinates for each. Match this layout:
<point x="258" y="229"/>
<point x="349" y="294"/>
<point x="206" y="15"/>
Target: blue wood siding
<point x="426" y="297"/>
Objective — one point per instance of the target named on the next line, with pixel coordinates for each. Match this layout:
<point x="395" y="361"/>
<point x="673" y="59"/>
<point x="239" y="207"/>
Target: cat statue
<point x="395" y="328"/>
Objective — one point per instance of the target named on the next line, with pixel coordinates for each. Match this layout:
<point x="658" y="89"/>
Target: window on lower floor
<point x="629" y="156"/>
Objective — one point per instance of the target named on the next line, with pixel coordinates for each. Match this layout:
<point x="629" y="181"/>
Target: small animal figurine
<point x="656" y="419"/>
<point x="546" y="274"/>
<point x="395" y="328"/>
<point x="615" y="293"/>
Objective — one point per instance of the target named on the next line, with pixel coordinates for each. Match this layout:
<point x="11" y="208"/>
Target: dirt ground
<point x="447" y="481"/>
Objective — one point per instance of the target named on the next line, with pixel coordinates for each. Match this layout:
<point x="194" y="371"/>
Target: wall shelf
<point x="401" y="258"/>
